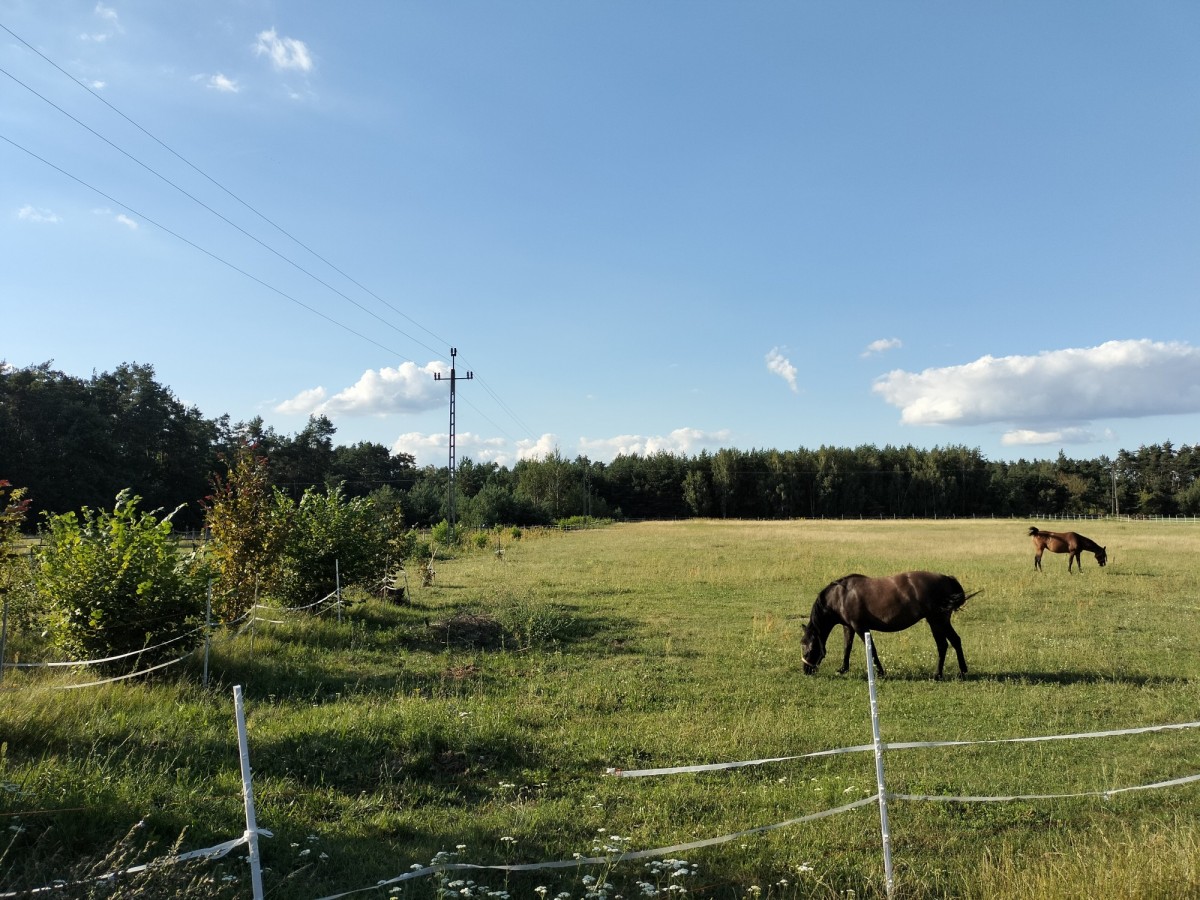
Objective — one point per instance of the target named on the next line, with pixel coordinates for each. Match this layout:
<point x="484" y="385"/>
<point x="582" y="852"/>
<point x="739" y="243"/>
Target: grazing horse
<point x="860" y="604"/>
<point x="1064" y="542"/>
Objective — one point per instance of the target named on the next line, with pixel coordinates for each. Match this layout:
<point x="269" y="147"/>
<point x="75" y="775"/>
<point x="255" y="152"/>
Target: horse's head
<point x="812" y="648"/>
<point x="1101" y="556"/>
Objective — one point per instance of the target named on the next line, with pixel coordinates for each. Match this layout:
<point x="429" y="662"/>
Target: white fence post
<point x="207" y="629"/>
<point x="3" y="632"/>
<point x="879" y="782"/>
<point x="248" y="795"/>
<point x="337" y="581"/>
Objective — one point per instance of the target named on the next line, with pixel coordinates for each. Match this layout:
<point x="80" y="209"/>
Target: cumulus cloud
<point x="285" y="53"/>
<point x="407" y="389"/>
<point x="544" y="446"/>
<point x="39" y="216"/>
<point x="433" y="449"/>
<point x="1040" y="394"/>
<point x="880" y="346"/>
<point x="129" y="223"/>
<point x="779" y="365"/>
<point x="682" y="441"/>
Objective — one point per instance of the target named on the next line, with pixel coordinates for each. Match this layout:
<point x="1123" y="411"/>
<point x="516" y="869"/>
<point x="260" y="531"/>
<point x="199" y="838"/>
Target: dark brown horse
<point x="1064" y="542"/>
<point x="860" y="604"/>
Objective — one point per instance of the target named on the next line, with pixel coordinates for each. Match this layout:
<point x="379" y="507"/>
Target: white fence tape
<point x="941" y="798"/>
<point x="215" y="852"/>
<point x="125" y="677"/>
<point x="900" y="745"/>
<point x="95" y="662"/>
<point x="605" y="860"/>
<point x="328" y="596"/>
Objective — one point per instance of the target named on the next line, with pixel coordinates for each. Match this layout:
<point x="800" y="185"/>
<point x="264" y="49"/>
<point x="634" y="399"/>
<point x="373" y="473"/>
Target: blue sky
<point x="644" y="225"/>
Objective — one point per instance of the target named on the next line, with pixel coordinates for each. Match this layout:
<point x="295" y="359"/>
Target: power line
<point x="213" y="181"/>
<point x="204" y="205"/>
<point x="203" y="250"/>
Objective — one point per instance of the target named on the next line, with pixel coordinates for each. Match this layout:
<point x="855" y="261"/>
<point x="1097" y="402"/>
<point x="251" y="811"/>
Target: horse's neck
<point x="824" y="619"/>
<point x="1088" y="544"/>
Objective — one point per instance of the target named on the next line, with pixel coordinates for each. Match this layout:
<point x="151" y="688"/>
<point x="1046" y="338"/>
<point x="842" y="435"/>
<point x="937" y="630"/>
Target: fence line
<point x="881" y="796"/>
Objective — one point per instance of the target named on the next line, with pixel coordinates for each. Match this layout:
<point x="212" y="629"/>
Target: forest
<point x="75" y="443"/>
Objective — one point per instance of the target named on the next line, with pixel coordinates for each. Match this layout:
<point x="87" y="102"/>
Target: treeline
<point x="74" y="442"/>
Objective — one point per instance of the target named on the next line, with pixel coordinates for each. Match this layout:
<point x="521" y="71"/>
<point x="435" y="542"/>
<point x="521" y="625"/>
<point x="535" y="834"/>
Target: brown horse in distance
<point x="1064" y="542"/>
<point x="860" y="604"/>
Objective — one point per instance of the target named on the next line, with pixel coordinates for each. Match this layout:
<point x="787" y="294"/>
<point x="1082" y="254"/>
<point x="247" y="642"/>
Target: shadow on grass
<point x="1026" y="678"/>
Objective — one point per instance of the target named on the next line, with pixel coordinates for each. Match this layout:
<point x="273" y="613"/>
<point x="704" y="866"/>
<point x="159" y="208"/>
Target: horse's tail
<point x="959" y="600"/>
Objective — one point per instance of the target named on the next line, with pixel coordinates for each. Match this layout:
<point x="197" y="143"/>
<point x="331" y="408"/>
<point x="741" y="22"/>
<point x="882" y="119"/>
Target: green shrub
<point x="115" y="582"/>
<point x="329" y="537"/>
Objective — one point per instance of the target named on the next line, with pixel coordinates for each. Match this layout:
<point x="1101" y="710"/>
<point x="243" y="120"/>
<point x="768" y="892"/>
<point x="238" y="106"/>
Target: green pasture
<point x="479" y="722"/>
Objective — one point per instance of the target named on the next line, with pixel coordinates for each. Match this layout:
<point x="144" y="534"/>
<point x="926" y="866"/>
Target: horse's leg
<point x="1037" y="561"/>
<point x="939" y="638"/>
<point x="1073" y="557"/>
<point x="848" y="636"/>
<point x="878" y="664"/>
<point x="956" y="643"/>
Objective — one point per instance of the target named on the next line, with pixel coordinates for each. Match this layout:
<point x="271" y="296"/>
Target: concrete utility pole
<point x="437" y="376"/>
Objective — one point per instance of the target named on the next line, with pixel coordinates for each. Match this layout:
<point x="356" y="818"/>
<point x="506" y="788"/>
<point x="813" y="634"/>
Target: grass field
<point x="479" y="722"/>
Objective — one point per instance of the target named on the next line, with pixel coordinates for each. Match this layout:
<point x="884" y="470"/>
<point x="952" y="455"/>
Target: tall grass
<point x="478" y="724"/>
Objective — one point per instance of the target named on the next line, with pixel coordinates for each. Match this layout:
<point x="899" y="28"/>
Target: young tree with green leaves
<point x="13" y="571"/>
<point x="247" y="522"/>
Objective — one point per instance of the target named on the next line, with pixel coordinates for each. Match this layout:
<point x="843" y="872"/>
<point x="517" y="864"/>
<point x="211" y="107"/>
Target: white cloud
<point x="98" y="85"/>
<point x="544" y="446"/>
<point x="285" y="53"/>
<point x="221" y="83"/>
<point x="1022" y="437"/>
<point x="779" y="365"/>
<point x="881" y="345"/>
<point x="434" y="449"/>
<point x="40" y="216"/>
<point x="109" y="21"/>
<point x="303" y="403"/>
<point x="126" y="221"/>
<point x="682" y="441"/>
<point x="407" y="389"/>
<point x="1117" y="379"/>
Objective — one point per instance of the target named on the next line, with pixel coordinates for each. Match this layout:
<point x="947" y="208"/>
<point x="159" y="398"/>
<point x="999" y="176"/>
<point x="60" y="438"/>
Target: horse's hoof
<point x="843" y="671"/>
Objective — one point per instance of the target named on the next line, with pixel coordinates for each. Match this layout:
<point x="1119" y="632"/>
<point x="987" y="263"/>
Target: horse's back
<point x="895" y="602"/>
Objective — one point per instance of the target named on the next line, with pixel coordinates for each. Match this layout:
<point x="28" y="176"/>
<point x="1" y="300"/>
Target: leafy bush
<point x="331" y="536"/>
<point x="115" y="582"/>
